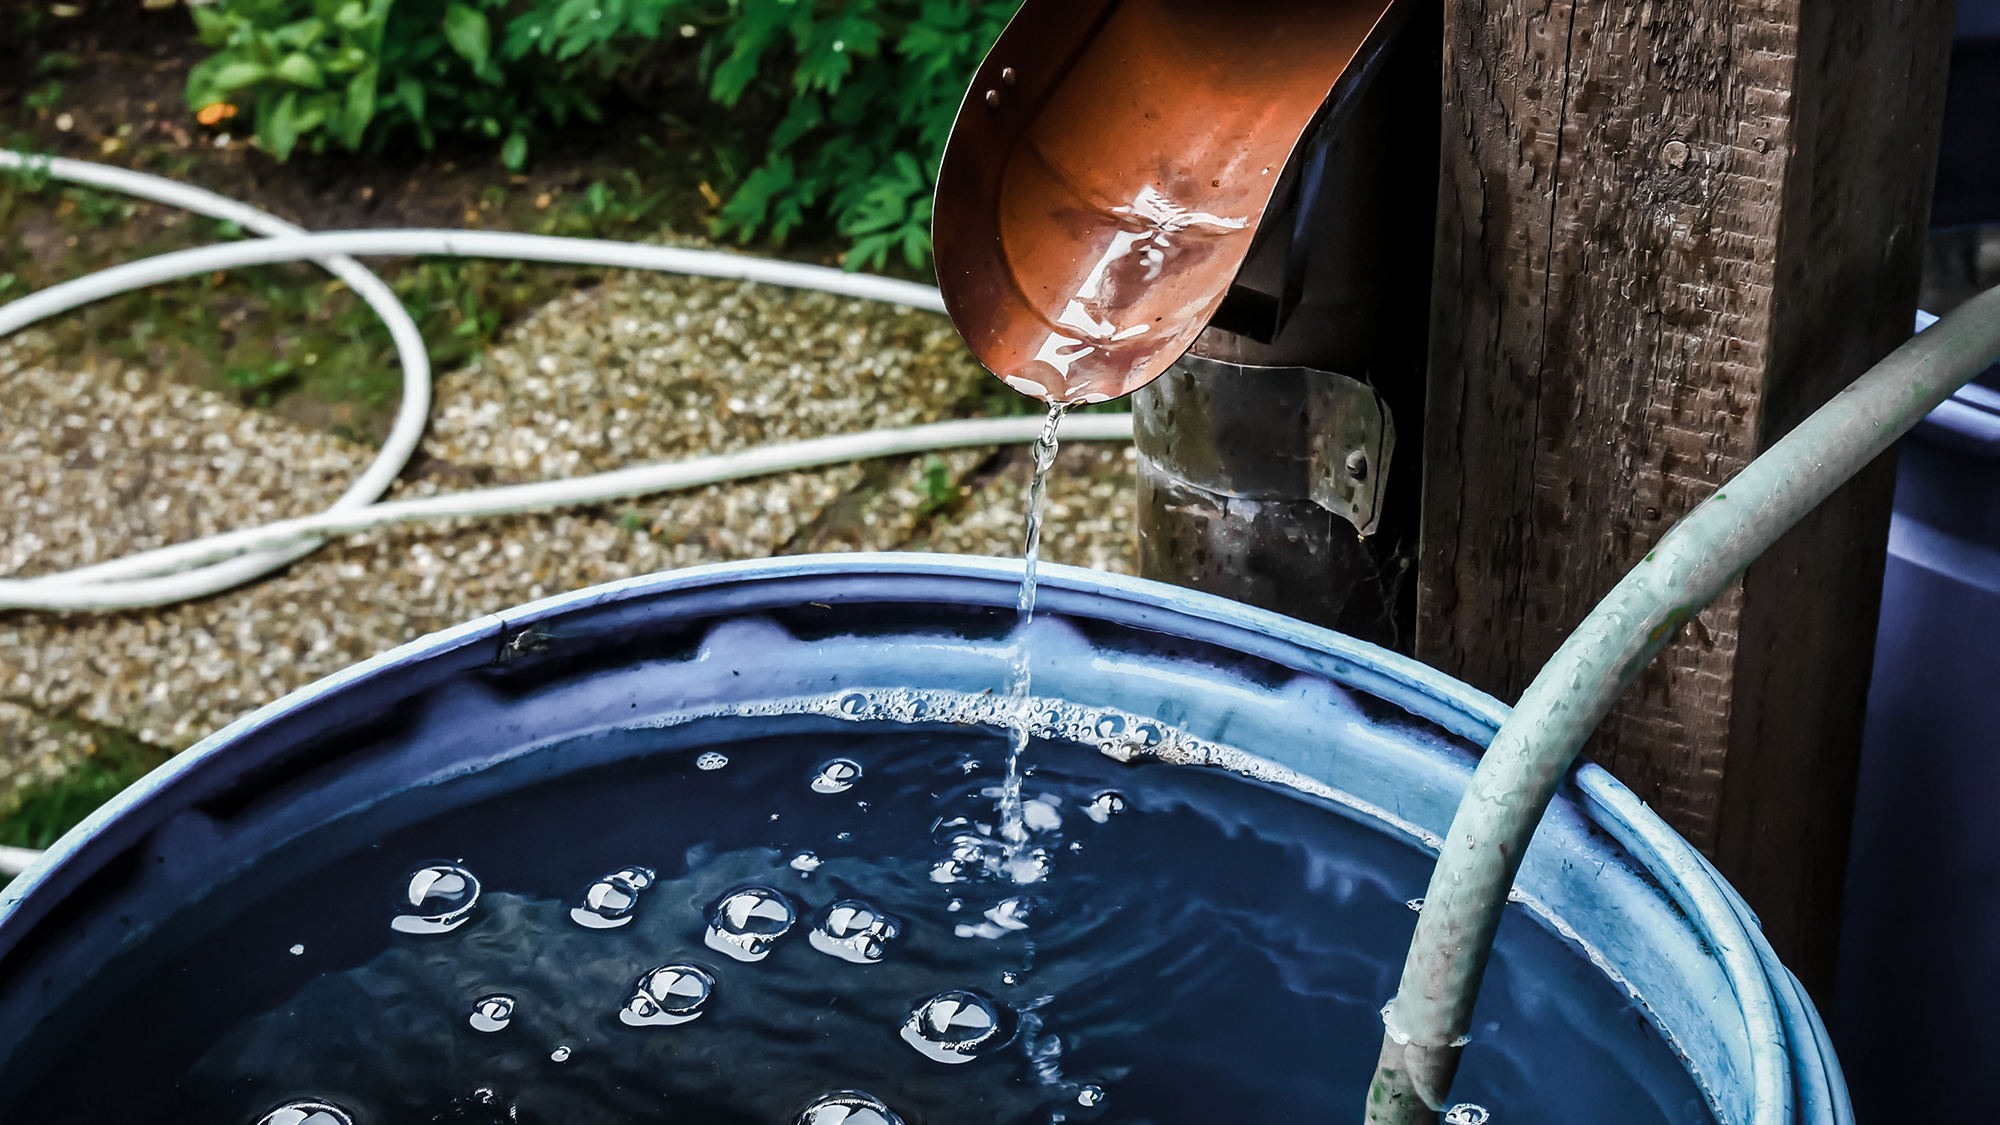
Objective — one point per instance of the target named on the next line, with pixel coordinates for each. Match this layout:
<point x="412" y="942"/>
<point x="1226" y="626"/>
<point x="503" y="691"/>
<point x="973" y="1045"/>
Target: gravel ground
<point x="100" y="461"/>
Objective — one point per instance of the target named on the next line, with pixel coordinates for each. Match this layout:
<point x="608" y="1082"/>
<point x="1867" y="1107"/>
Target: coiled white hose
<point x="205" y="566"/>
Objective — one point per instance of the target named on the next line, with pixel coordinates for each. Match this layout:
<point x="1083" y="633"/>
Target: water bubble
<point x="560" y="1054"/>
<point x="1416" y="904"/>
<point x="956" y="1027"/>
<point x="746" y="923"/>
<point x="1090" y="1095"/>
<point x="836" y="776"/>
<point x="491" y="1013"/>
<point x="609" y="902"/>
<point x="843" y="836"/>
<point x="1009" y="976"/>
<point x="853" y="703"/>
<point x="1465" y="1113"/>
<point x="805" y="863"/>
<point x="1105" y="804"/>
<point x="847" y="1107"/>
<point x="711" y="761"/>
<point x="297" y="950"/>
<point x="1009" y="916"/>
<point x="955" y="905"/>
<point x="668" y="995"/>
<point x="307" y="1112"/>
<point x="853" y="930"/>
<point x="437" y="899"/>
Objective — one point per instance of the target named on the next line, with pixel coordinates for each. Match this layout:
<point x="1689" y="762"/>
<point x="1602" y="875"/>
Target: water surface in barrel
<point x="806" y="933"/>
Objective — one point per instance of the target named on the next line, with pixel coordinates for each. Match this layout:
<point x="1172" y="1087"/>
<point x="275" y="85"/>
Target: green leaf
<point x="300" y="34"/>
<point x="514" y="154"/>
<point x="410" y="95"/>
<point x="299" y="69"/>
<point x="278" y="128"/>
<point x="234" y="74"/>
<point x="467" y="32"/>
<point x="360" y="108"/>
<point x="352" y="15"/>
<point x="210" y="26"/>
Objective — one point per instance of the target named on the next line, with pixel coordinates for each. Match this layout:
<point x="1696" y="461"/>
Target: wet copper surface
<point x="1108" y="170"/>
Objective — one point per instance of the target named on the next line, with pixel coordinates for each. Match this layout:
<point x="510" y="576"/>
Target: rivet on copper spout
<point x="992" y="99"/>
<point x="1007" y="75"/>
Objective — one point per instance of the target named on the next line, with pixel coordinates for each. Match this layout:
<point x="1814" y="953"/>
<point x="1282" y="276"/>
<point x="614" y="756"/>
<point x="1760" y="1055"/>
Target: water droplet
<point x="491" y="1013"/>
<point x="746" y="923"/>
<point x="711" y="761"/>
<point x="805" y="863"/>
<point x="437" y="899"/>
<point x="853" y="930"/>
<point x="668" y="995"/>
<point x="836" y="776"/>
<point x="847" y="1107"/>
<point x="843" y="836"/>
<point x="306" y="1112"/>
<point x="1416" y="904"/>
<point x="1105" y="804"/>
<point x="956" y="1027"/>
<point x="853" y="703"/>
<point x="1465" y="1113"/>
<point x="1090" y="1095"/>
<point x="955" y="905"/>
<point x="1110" y="726"/>
<point x="560" y="1054"/>
<point x="609" y="902"/>
<point x="1009" y="976"/>
<point x="297" y="951"/>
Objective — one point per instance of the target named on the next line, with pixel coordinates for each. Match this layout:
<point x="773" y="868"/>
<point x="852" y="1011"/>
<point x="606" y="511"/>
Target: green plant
<point x="869" y="89"/>
<point x="356" y="72"/>
<point x="875" y="85"/>
<point x="46" y="97"/>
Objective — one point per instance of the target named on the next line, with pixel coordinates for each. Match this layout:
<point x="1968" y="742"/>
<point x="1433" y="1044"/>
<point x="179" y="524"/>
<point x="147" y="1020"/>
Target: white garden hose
<point x="218" y="562"/>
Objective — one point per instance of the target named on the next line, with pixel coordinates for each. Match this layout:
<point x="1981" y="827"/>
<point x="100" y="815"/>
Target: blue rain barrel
<point x="1920" y="941"/>
<point x="719" y="845"/>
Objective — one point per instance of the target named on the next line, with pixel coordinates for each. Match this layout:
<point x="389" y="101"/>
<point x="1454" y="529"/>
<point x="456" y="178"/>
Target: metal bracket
<point x="1353" y="437"/>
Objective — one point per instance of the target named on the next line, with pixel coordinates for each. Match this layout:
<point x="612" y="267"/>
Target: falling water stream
<point x="1021" y="864"/>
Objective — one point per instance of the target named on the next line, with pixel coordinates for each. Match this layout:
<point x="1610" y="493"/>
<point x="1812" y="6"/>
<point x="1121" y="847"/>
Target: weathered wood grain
<point x="1668" y="231"/>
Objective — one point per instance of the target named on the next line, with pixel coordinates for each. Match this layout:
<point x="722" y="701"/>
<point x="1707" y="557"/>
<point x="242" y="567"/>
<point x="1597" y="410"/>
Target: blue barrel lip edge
<point x="1781" y="1015"/>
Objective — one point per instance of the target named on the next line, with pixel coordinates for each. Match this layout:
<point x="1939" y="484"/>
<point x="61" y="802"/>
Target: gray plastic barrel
<point x="1919" y="978"/>
<point x="1384" y="738"/>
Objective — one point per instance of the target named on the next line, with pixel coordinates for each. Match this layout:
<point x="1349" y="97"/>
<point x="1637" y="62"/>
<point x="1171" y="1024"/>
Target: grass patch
<point x="39" y="814"/>
<point x="286" y="337"/>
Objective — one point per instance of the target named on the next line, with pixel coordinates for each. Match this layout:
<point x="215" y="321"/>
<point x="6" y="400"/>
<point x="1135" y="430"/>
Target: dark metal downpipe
<point x="1268" y="467"/>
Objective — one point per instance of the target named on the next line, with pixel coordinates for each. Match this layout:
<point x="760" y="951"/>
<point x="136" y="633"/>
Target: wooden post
<point x="1667" y="231"/>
